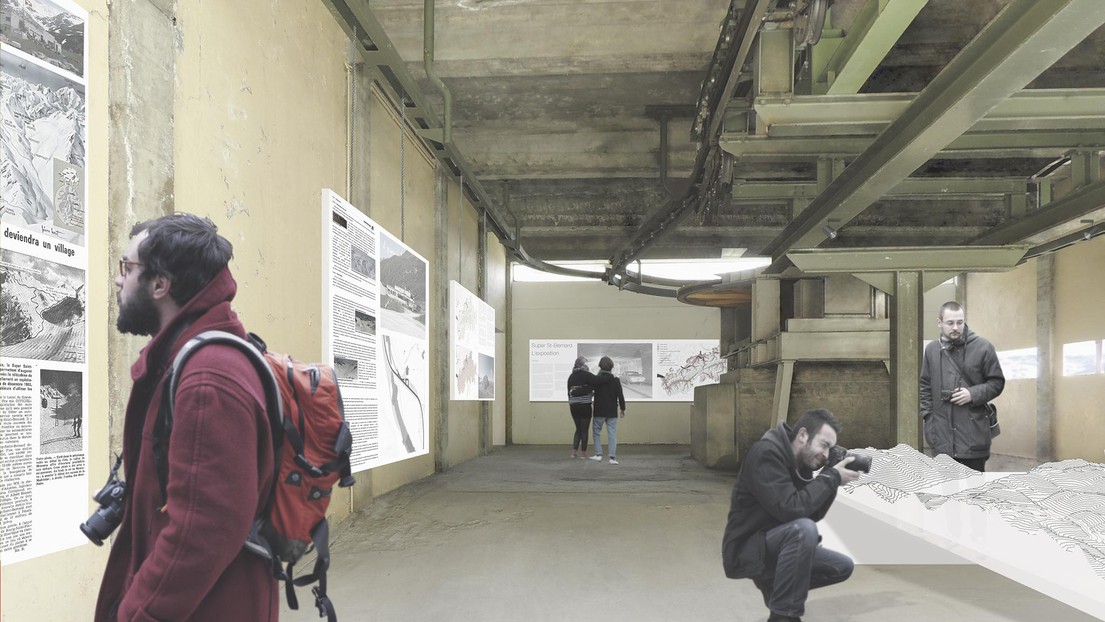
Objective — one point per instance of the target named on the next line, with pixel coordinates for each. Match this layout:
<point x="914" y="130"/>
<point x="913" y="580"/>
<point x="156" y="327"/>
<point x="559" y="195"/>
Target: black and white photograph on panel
<point x="364" y="322"/>
<point x="45" y="30"/>
<point x="632" y="364"/>
<point x="404" y="392"/>
<point x="487" y="377"/>
<point x="43" y="121"/>
<point x="402" y="288"/>
<point x="345" y="368"/>
<point x="42" y="309"/>
<point x="61" y="423"/>
<point x="362" y="263"/>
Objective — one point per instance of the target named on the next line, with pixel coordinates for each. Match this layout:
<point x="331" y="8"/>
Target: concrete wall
<point x="597" y="311"/>
<point x="1003" y="308"/>
<point x="991" y="297"/>
<point x="240" y="112"/>
<point x="31" y="588"/>
<point x="1079" y="299"/>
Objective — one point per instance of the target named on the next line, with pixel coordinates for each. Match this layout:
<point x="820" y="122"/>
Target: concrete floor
<point x="528" y="533"/>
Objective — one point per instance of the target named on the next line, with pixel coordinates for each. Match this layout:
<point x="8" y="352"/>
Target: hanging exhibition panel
<point x="650" y="370"/>
<point x="43" y="278"/>
<point x="472" y="326"/>
<point x="376" y="294"/>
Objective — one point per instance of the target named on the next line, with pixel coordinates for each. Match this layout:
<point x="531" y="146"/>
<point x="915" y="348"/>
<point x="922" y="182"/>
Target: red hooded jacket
<point x="187" y="562"/>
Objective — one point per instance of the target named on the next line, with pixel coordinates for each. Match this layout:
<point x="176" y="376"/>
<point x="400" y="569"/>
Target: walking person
<point x="609" y="399"/>
<point x="580" y="394"/>
<point x="960" y="375"/>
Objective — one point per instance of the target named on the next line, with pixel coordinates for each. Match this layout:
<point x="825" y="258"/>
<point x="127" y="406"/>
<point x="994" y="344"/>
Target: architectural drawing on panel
<point x="43" y="309"/>
<point x="465" y="366"/>
<point x="405" y="386"/>
<point x="632" y="364"/>
<point x="43" y="120"/>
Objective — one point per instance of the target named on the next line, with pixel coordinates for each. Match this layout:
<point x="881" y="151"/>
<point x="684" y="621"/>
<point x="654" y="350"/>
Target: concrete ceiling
<point x="558" y="107"/>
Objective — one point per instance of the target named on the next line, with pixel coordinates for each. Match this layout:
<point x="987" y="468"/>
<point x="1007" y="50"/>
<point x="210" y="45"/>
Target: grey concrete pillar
<point x="765" y="308"/>
<point x="439" y="391"/>
<point x="1045" y="336"/>
<point x="907" y="308"/>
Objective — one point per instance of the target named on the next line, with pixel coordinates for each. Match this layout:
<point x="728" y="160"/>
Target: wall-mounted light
<point x="829" y="232"/>
<point x="1088" y="233"/>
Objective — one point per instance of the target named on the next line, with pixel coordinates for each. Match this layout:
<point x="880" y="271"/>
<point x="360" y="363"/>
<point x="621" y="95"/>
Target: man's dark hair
<point x="184" y="248"/>
<point x="813" y="420"/>
<point x="606" y="364"/>
<point x="950" y="305"/>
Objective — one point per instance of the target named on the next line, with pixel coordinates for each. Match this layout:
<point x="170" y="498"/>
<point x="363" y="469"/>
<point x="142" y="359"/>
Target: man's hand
<point x="961" y="397"/>
<point x="623" y="414"/>
<point x="847" y="475"/>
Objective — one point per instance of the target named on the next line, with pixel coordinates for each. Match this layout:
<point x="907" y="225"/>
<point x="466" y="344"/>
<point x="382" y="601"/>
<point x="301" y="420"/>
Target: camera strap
<point x="959" y="370"/>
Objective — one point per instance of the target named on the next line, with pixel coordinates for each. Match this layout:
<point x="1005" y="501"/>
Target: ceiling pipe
<point x="428" y="61"/>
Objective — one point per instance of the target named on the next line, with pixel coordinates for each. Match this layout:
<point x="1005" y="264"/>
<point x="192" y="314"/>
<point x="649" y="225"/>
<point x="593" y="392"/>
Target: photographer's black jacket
<point x="771" y="490"/>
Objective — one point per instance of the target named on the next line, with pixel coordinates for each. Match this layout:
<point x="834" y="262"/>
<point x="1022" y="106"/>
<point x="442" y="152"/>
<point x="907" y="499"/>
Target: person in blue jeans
<point x="771" y="536"/>
<point x="609" y="399"/>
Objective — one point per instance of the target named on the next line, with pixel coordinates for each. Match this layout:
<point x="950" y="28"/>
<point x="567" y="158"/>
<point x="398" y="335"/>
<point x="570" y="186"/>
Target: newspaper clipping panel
<point x="43" y="279"/>
<point x="377" y="334"/>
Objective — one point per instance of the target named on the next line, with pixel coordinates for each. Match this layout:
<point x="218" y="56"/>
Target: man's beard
<point x="138" y="316"/>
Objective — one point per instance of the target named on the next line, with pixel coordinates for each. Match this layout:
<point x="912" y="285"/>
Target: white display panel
<point x="650" y="371"/>
<point x="472" y="326"/>
<point x="44" y="271"/>
<point x="376" y="334"/>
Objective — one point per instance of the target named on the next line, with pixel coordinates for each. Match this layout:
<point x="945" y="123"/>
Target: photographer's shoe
<point x="778" y="617"/>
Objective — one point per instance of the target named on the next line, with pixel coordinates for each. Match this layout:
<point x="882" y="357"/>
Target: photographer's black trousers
<point x="796" y="564"/>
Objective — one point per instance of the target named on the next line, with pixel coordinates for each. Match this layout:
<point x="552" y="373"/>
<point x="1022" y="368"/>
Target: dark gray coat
<point x="959" y="431"/>
<point x="771" y="490"/>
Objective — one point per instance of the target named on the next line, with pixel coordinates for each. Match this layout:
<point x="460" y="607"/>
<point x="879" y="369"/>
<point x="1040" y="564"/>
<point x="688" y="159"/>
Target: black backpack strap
<point x="163" y="426"/>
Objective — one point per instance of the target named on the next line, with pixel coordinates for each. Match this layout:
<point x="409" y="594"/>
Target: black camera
<point x="838" y="453"/>
<point x="107" y="517"/>
<point x="946" y="394"/>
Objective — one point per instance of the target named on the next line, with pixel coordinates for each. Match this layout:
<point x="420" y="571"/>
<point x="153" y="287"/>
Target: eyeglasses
<point x="125" y="267"/>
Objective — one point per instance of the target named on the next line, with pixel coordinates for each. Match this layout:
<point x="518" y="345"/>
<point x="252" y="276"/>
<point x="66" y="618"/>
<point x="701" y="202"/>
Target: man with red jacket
<point x="180" y="556"/>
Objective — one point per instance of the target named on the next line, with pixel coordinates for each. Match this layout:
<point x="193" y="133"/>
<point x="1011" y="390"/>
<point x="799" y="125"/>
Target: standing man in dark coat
<point x="771" y="536"/>
<point x="960" y="374"/>
<point x="181" y="557"/>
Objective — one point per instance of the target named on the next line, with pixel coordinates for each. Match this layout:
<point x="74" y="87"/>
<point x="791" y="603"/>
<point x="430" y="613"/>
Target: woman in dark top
<point x="580" y="390"/>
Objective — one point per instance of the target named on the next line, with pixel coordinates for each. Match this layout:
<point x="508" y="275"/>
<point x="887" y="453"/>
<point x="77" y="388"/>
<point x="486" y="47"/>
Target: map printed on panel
<point x="1064" y="500"/>
<point x="472" y="326"/>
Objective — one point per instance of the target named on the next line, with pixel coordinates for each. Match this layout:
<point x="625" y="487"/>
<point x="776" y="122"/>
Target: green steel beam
<point x="928" y="188"/>
<point x="1074" y="205"/>
<point x="1011" y="144"/>
<point x="906" y="259"/>
<point x="848" y="115"/>
<point x="1026" y="38"/>
<point x="877" y="27"/>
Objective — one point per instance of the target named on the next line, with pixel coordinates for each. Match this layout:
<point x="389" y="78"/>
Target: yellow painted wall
<point x="1079" y="400"/>
<point x="598" y="311"/>
<point x="31" y="588"/>
<point x="1002" y="308"/>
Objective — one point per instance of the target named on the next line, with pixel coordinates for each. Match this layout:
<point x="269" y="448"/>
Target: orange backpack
<point x="311" y="447"/>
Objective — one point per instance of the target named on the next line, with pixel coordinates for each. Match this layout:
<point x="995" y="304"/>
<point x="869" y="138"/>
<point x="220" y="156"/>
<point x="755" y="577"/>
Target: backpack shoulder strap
<point x="163" y="426"/>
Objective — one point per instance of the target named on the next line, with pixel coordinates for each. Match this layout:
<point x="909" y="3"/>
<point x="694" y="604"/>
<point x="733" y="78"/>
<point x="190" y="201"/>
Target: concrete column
<point x="907" y="308"/>
<point x="485" y="439"/>
<point x="360" y="136"/>
<point x="439" y="338"/>
<point x="765" y="308"/>
<point x="1045" y="335"/>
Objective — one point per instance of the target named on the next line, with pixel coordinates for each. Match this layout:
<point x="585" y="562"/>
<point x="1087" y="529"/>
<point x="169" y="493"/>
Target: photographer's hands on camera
<point x="960" y="397"/>
<point x="847" y="475"/>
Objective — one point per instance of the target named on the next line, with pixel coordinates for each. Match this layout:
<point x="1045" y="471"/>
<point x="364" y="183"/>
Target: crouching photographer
<point x="771" y="536"/>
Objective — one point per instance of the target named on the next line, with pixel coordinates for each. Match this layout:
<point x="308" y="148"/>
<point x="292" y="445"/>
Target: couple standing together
<point x="605" y="391"/>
